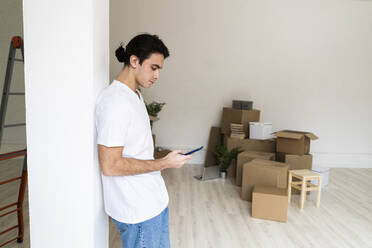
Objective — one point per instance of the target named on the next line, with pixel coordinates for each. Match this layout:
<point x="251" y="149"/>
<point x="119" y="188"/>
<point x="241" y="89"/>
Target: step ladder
<point x="17" y="207"/>
<point x="15" y="44"/>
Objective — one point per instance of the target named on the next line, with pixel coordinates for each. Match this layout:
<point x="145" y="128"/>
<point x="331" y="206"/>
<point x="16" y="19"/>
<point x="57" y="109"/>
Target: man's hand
<point x="176" y="159"/>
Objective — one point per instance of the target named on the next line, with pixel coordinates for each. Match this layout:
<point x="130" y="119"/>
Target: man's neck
<point x="127" y="78"/>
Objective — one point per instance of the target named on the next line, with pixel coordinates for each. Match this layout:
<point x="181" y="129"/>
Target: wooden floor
<point x="211" y="213"/>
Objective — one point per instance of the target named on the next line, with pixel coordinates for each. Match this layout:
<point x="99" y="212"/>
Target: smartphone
<point x="191" y="152"/>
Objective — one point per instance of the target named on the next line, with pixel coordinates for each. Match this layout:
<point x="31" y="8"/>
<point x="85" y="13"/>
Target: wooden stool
<point x="304" y="185"/>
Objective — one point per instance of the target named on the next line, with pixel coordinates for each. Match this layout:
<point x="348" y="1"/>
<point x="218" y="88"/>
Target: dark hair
<point x="142" y="46"/>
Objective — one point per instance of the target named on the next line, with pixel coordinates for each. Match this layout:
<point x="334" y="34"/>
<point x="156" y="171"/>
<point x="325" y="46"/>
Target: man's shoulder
<point x="111" y="95"/>
<point x="112" y="103"/>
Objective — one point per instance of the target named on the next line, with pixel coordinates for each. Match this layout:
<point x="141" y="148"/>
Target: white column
<point x="66" y="65"/>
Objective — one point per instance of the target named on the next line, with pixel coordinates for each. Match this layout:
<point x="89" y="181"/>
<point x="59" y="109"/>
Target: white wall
<point x="66" y="66"/>
<point x="11" y="25"/>
<point x="307" y="65"/>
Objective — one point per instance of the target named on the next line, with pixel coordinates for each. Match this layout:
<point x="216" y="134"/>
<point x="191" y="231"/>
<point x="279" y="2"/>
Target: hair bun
<point x="120" y="53"/>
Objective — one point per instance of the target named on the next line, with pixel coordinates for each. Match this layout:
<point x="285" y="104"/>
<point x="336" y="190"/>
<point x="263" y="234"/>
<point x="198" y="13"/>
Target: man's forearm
<point x="132" y="166"/>
<point x="113" y="164"/>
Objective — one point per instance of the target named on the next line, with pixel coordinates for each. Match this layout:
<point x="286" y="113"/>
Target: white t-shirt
<point x="122" y="120"/>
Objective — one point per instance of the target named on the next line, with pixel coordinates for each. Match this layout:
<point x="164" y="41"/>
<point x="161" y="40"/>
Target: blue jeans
<point x="152" y="233"/>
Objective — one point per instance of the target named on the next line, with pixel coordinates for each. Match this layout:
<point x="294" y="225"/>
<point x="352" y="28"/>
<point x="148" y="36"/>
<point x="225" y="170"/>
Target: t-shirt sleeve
<point x="112" y="122"/>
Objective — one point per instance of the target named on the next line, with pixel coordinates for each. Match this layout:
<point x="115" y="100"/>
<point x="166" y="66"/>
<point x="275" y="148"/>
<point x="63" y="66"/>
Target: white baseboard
<point x="342" y="160"/>
<point x="320" y="159"/>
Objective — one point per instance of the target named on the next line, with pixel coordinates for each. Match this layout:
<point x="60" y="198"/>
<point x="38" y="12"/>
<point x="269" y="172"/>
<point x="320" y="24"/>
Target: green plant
<point x="224" y="157"/>
<point x="154" y="108"/>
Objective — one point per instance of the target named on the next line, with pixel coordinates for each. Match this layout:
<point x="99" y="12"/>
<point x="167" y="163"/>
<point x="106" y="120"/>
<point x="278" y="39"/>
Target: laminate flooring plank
<point x="211" y="214"/>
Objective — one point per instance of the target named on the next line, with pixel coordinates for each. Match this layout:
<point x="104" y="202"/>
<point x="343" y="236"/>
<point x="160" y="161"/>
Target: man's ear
<point x="134" y="61"/>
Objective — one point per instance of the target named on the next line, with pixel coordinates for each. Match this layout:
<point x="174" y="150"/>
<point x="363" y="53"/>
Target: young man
<point x="135" y="195"/>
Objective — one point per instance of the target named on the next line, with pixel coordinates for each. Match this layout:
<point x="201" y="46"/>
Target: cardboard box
<point x="215" y="138"/>
<point x="248" y="156"/>
<point x="294" y="142"/>
<point x="251" y="144"/>
<point x="231" y="171"/>
<point x="296" y="162"/>
<point x="260" y="130"/>
<point x="299" y="162"/>
<point x="270" y="203"/>
<point x="230" y="115"/>
<point x="263" y="172"/>
<point x="280" y="157"/>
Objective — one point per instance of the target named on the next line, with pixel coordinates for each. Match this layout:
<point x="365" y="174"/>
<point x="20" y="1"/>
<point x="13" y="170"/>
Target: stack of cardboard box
<point x="243" y="117"/>
<point x="293" y="148"/>
<point x="263" y="180"/>
<point x="238" y="116"/>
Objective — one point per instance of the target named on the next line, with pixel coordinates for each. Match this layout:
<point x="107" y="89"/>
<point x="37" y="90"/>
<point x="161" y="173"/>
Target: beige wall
<point x="11" y="24"/>
<point x="307" y="65"/>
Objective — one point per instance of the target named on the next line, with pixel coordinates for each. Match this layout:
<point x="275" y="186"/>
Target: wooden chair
<point x="304" y="185"/>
